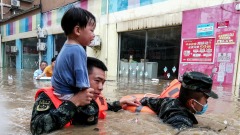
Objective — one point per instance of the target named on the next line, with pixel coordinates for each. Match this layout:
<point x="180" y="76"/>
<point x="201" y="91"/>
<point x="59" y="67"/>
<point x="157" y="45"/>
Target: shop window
<point x="30" y="53"/>
<point x="9" y="58"/>
<point x="163" y="47"/>
<point x="160" y="53"/>
<point x="60" y="39"/>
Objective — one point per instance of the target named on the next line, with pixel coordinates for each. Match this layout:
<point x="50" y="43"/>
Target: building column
<point x="1" y="53"/>
<point x="50" y="48"/>
<point x="19" y="54"/>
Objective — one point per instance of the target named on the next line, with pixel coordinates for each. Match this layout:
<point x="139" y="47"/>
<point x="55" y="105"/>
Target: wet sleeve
<point x="179" y="121"/>
<point x="114" y="106"/>
<point x="177" y="118"/>
<point x="46" y="118"/>
<point x="152" y="103"/>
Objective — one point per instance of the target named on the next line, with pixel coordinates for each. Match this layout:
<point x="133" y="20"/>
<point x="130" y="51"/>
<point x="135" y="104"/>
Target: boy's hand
<point x="83" y="97"/>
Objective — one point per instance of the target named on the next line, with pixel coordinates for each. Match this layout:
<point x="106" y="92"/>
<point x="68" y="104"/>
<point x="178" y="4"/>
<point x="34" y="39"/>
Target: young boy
<point x="195" y="90"/>
<point x="70" y="74"/>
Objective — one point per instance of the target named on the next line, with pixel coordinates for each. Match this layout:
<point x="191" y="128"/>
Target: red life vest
<point x="102" y="104"/>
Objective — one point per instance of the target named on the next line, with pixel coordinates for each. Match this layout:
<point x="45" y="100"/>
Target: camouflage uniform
<point x="171" y="111"/>
<point x="46" y="118"/>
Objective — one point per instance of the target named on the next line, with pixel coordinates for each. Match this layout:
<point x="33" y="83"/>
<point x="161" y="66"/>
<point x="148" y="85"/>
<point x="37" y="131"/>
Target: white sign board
<point x="220" y="77"/>
<point x="224" y="57"/>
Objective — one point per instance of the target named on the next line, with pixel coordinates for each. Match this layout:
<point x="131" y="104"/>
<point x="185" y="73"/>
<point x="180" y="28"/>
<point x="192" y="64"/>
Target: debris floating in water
<point x="225" y="122"/>
<point x="96" y="129"/>
<point x="136" y="120"/>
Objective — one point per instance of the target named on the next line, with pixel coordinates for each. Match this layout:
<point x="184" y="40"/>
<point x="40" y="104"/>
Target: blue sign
<point x="205" y="30"/>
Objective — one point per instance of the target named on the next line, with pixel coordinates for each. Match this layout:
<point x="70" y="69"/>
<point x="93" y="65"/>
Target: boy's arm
<point x="46" y="118"/>
<point x="80" y="68"/>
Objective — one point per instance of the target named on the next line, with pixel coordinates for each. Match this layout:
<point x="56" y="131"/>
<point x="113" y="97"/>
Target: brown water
<point x="17" y="98"/>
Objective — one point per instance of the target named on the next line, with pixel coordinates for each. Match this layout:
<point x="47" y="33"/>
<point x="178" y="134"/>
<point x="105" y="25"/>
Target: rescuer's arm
<point x="117" y="105"/>
<point x="152" y="103"/>
<point x="46" y="118"/>
<point x="170" y="112"/>
<point x="114" y="106"/>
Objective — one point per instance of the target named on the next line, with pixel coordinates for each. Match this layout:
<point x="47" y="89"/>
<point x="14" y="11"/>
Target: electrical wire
<point x="233" y="11"/>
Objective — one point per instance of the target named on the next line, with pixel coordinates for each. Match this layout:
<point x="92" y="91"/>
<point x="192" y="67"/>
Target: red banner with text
<point x="226" y="38"/>
<point x="198" y="50"/>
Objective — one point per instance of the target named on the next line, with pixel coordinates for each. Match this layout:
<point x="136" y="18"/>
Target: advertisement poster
<point x="226" y="38"/>
<point x="222" y="67"/>
<point x="229" y="68"/>
<point x="224" y="57"/>
<point x="205" y="30"/>
<point x="220" y="77"/>
<point x="198" y="50"/>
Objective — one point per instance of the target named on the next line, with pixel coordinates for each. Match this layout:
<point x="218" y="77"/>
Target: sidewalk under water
<point x="17" y="99"/>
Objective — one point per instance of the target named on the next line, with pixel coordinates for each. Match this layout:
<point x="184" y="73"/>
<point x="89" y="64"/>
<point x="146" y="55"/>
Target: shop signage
<point x="205" y="30"/>
<point x="226" y="38"/>
<point x="223" y="24"/>
<point x="198" y="50"/>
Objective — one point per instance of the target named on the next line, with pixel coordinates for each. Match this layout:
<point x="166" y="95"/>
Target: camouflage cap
<point x="198" y="81"/>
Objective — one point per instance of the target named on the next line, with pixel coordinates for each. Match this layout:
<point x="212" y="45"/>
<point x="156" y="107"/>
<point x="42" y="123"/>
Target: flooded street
<point x="17" y="98"/>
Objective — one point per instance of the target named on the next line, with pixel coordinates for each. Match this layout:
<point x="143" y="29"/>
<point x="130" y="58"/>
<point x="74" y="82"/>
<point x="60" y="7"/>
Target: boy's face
<point x="97" y="80"/>
<point x="86" y="35"/>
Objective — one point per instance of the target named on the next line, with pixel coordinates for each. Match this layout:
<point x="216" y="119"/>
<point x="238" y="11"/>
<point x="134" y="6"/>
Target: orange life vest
<point x="102" y="104"/>
<point x="171" y="91"/>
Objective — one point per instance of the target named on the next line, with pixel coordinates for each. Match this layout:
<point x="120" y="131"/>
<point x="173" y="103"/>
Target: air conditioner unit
<point x="42" y="33"/>
<point x="96" y="41"/>
<point x="41" y="47"/>
<point x="15" y="3"/>
<point x="14" y="49"/>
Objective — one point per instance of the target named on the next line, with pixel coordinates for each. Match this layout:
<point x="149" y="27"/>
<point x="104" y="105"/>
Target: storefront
<point x="30" y="53"/>
<point x="159" y="48"/>
<point x="210" y="43"/>
<point x="9" y="55"/>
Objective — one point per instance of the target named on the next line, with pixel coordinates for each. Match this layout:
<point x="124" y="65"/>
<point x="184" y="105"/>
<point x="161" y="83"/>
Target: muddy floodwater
<point x="17" y="90"/>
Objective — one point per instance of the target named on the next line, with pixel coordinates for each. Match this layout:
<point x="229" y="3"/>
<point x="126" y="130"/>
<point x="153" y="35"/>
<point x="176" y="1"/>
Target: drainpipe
<point x="1" y="10"/>
<point x="106" y="57"/>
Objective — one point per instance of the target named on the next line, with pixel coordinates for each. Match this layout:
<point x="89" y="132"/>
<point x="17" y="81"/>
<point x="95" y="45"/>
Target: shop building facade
<point x="152" y="38"/>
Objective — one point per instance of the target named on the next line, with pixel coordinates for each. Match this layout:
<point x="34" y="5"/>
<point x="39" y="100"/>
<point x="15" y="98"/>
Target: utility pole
<point x="6" y="5"/>
<point x="41" y="33"/>
<point x="1" y="10"/>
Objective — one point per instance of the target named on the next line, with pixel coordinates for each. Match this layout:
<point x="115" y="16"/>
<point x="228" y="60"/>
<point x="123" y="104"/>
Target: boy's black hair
<point x="93" y="62"/>
<point x="43" y="62"/>
<point x="76" y="16"/>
